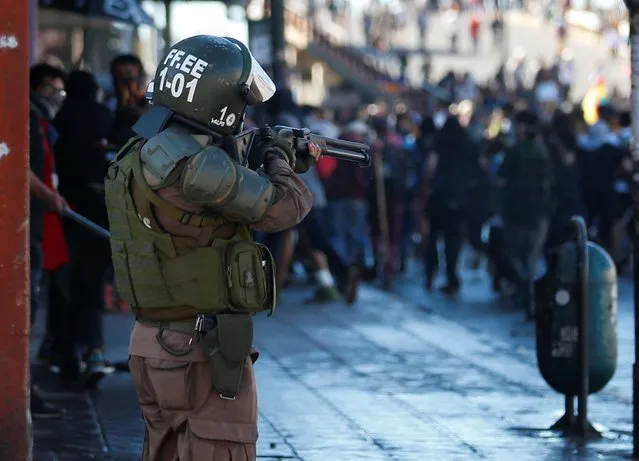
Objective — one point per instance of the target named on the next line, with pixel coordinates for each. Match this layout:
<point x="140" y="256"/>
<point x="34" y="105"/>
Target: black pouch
<point x="250" y="277"/>
<point x="226" y="347"/>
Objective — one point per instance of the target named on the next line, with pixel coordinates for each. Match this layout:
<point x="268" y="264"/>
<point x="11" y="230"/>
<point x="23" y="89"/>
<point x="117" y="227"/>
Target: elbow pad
<point x="212" y="179"/>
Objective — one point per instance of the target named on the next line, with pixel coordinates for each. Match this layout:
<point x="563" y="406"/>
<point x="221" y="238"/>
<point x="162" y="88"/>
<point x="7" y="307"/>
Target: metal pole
<point x="15" y="420"/>
<point x="635" y="366"/>
<point x="582" y="313"/>
<point x="88" y="224"/>
<point x="569" y="407"/>
<point x="634" y="33"/>
<point x="279" y="41"/>
<point x="168" y="40"/>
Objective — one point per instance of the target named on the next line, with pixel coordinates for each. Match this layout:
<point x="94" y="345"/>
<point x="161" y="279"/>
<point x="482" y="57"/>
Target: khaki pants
<point x="185" y="420"/>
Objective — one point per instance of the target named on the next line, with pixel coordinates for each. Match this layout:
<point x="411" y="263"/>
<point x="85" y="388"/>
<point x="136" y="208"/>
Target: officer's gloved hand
<point x="307" y="160"/>
<point x="303" y="163"/>
<point x="279" y="148"/>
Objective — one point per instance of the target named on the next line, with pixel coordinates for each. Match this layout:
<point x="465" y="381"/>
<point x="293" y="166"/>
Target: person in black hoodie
<point x="526" y="185"/>
<point x="82" y="160"/>
<point x="612" y="166"/>
<point x="560" y="139"/>
<point x="448" y="171"/>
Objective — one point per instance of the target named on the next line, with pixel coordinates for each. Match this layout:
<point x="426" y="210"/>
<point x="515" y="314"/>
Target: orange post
<point x="15" y="433"/>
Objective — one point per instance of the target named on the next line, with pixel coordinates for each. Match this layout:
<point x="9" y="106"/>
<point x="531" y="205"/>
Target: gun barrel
<point x="362" y="158"/>
<point x="345" y="150"/>
<point x="337" y="148"/>
<point x="348" y="145"/>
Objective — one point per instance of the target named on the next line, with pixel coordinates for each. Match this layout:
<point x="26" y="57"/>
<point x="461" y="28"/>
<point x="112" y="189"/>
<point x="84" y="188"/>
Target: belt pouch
<point x="226" y="347"/>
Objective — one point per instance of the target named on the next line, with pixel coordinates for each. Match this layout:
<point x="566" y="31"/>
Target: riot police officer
<point x="181" y="206"/>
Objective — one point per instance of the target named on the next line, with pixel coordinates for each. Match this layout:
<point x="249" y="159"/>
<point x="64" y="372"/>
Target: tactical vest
<point x="158" y="272"/>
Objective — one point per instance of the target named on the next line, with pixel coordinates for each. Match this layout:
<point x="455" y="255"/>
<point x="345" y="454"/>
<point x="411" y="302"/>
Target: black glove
<point x="281" y="149"/>
<point x="303" y="163"/>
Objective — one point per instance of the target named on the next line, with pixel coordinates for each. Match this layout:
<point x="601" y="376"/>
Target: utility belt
<point x="226" y="341"/>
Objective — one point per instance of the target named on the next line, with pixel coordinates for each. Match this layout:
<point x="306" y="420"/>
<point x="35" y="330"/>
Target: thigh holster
<point x="227" y="347"/>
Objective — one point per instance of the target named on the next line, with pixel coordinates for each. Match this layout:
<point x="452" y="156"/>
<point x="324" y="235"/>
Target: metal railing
<point x="335" y="46"/>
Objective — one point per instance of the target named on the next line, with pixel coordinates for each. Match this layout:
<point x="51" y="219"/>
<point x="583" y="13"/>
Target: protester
<point x="83" y="125"/>
<point x="47" y="92"/>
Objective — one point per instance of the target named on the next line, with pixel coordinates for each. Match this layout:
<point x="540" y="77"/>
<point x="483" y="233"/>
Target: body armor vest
<point x="163" y="274"/>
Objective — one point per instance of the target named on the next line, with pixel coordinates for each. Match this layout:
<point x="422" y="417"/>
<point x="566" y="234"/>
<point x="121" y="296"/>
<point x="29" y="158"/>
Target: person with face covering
<point x="128" y="102"/>
<point x="612" y="165"/>
<point x="447" y="174"/>
<point x="526" y="179"/>
<point x="82" y="160"/>
<point x="346" y="190"/>
<point x="47" y="91"/>
<point x="333" y="275"/>
<point x="560" y="140"/>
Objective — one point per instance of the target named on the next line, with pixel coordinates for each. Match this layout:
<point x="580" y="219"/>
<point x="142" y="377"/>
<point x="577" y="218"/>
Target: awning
<point x="129" y="11"/>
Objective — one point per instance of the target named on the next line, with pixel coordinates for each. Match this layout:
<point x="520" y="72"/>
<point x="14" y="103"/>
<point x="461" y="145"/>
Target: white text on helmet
<point x="190" y="64"/>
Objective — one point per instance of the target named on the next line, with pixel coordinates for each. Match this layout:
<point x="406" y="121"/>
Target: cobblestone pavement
<point x="502" y="326"/>
<point x="388" y="379"/>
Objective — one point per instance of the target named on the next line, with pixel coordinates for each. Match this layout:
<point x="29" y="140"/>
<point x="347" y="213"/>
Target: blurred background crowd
<point x="489" y="164"/>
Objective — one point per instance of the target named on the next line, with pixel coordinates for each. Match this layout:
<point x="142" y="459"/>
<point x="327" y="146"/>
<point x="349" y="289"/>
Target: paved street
<point x="481" y="311"/>
<point x="536" y="37"/>
<point x="396" y="377"/>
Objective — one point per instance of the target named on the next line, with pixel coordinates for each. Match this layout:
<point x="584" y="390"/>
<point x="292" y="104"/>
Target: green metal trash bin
<point x="557" y="320"/>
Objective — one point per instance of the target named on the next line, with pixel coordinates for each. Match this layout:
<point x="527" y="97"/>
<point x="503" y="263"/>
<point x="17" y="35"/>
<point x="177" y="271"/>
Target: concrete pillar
<point x="15" y="421"/>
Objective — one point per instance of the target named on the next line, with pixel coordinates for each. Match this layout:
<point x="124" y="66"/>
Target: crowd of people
<point x="502" y="166"/>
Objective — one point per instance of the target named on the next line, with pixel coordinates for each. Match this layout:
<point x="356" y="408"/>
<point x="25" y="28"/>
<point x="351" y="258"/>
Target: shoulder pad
<point x="162" y="152"/>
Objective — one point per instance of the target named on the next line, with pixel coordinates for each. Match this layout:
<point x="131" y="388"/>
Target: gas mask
<point x="53" y="103"/>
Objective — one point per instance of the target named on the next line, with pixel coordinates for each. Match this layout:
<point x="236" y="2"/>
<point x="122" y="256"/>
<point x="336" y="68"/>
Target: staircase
<point x="352" y="65"/>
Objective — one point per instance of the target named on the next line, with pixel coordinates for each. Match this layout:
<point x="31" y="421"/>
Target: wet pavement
<point x="404" y="376"/>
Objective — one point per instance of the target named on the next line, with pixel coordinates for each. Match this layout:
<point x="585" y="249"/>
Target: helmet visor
<point x="260" y="86"/>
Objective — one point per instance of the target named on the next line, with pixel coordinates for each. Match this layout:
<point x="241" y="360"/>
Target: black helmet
<point x="207" y="81"/>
